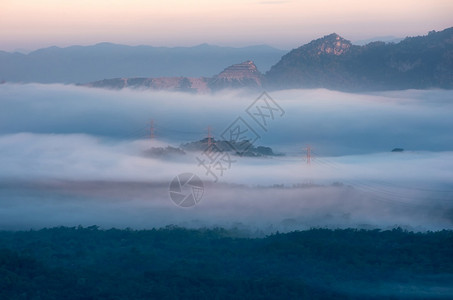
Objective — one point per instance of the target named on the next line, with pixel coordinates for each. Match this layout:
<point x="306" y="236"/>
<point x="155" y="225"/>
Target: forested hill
<point x="333" y="62"/>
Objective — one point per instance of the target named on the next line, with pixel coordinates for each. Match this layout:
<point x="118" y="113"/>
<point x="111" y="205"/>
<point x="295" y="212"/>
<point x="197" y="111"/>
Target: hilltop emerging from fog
<point x="243" y="75"/>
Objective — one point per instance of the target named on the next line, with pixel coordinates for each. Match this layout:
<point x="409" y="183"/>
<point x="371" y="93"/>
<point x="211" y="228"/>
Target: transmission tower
<point x="151" y="130"/>
<point x="209" y="138"/>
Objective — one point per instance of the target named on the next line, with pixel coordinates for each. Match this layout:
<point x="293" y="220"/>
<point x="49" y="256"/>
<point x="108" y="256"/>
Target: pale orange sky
<point x="32" y="24"/>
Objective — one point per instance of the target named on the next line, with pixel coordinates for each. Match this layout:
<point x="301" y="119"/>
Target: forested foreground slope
<point x="176" y="263"/>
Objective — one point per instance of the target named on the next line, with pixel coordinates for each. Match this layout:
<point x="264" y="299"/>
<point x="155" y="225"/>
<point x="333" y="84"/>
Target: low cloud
<point x="334" y="123"/>
<point x="72" y="155"/>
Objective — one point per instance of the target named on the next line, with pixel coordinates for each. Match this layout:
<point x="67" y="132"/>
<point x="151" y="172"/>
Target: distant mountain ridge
<point x="330" y="62"/>
<point x="81" y="64"/>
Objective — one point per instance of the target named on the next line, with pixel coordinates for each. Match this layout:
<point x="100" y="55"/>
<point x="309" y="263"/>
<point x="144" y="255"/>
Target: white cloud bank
<point x="71" y="155"/>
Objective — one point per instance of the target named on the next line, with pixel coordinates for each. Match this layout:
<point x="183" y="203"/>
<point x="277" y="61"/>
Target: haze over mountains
<point x="330" y="62"/>
<point x="81" y="64"/>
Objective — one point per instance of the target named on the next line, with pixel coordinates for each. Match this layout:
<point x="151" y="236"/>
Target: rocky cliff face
<point x="332" y="44"/>
<point x="240" y="75"/>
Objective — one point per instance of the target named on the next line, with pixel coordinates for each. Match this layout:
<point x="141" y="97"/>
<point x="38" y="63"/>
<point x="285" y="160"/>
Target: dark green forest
<point x="179" y="263"/>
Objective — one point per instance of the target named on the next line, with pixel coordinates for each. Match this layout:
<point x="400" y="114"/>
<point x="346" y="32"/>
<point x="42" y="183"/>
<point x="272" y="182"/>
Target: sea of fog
<point x="73" y="156"/>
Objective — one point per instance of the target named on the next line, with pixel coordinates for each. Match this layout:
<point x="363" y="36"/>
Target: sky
<point x="33" y="24"/>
